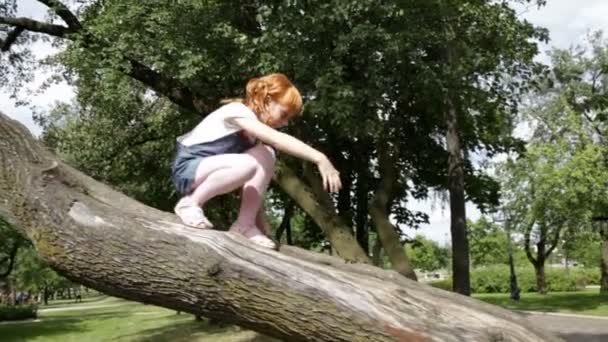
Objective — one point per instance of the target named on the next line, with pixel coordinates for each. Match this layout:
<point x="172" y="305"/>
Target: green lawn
<point x="588" y="302"/>
<point x="120" y="320"/>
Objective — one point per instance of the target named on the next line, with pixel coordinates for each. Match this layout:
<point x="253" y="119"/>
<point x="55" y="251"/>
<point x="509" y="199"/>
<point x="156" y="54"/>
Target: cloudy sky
<point x="568" y="21"/>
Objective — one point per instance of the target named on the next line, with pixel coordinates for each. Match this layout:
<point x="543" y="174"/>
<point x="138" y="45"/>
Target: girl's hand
<point x="331" y="176"/>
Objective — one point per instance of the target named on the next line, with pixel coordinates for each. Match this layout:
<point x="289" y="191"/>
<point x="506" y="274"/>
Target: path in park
<point x="572" y="328"/>
<point x="80" y="307"/>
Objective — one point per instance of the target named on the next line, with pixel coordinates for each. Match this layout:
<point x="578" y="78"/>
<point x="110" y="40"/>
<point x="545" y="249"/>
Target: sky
<point x="568" y="22"/>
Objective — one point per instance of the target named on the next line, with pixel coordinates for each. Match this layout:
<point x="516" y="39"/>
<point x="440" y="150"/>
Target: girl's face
<point x="278" y="115"/>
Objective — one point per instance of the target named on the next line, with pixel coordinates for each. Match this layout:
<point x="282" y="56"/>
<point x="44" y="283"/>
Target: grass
<point x="587" y="302"/>
<point x="120" y="320"/>
<point x="112" y="319"/>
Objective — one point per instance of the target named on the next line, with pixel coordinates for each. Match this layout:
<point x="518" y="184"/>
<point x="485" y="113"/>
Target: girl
<point x="231" y="148"/>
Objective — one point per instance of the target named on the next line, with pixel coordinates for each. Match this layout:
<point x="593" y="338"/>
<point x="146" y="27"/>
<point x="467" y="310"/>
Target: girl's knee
<point x="248" y="165"/>
<point x="268" y="152"/>
<point x="264" y="154"/>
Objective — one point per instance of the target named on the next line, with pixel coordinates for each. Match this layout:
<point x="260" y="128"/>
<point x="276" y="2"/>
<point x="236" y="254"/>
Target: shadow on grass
<point x="20" y="331"/>
<point x="552" y="302"/>
<point x="52" y="326"/>
<point x="579" y="337"/>
<point x="194" y="331"/>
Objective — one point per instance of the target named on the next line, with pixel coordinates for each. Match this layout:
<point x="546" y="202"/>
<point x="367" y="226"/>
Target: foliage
<point x="10" y="243"/>
<point x="33" y="275"/>
<point x="14" y="313"/>
<point x="426" y="254"/>
<point x="488" y="243"/>
<point x="588" y="302"/>
<point x="122" y="321"/>
<point x="583" y="247"/>
<point x="495" y="279"/>
<point x="561" y="182"/>
<point x="373" y="75"/>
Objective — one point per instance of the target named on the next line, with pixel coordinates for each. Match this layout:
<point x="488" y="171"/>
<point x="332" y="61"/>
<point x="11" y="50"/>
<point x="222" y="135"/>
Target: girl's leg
<point x="253" y="194"/>
<point x="214" y="176"/>
<point x="222" y="174"/>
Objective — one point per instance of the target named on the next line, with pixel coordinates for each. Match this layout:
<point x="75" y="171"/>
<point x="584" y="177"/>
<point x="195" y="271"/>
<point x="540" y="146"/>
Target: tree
<point x="10" y="243"/>
<point x="110" y="242"/>
<point x="426" y="254"/>
<point x="579" y="85"/>
<point x="561" y="182"/>
<point x="583" y="246"/>
<point x="34" y="275"/>
<point x="477" y="78"/>
<point x="351" y="60"/>
<point x="488" y="243"/>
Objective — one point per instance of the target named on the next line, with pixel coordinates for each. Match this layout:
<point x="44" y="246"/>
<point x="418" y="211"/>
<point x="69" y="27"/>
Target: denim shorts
<point x="187" y="158"/>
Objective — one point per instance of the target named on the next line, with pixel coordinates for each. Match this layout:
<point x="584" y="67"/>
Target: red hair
<point x="276" y="87"/>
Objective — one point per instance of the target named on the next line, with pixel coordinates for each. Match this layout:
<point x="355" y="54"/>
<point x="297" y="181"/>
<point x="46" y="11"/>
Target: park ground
<point x="575" y="316"/>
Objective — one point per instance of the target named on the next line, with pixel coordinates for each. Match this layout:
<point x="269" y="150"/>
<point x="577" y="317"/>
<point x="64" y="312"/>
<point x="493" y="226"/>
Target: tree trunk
<point x="543" y="250"/>
<point x="319" y="206"/>
<point x="539" y="266"/>
<point x="46" y="295"/>
<point x="285" y="225"/>
<point x="461" y="282"/>
<point x="460" y="242"/>
<point x="387" y="232"/>
<point x="513" y="286"/>
<point x="361" y="221"/>
<point x="377" y="253"/>
<point x="105" y="240"/>
<point x="604" y="261"/>
<point x="541" y="281"/>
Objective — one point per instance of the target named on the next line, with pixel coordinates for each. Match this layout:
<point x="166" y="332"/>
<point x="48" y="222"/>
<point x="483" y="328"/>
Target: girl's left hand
<point x="331" y="176"/>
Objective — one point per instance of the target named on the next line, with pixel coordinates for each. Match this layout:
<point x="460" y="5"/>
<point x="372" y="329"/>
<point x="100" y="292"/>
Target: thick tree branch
<point x="387" y="232"/>
<point x="173" y="89"/>
<point x="107" y="241"/>
<point x="64" y="13"/>
<point x="37" y="26"/>
<point x="527" y="248"/>
<point x="554" y="242"/>
<point x="12" y="36"/>
<point x="322" y="213"/>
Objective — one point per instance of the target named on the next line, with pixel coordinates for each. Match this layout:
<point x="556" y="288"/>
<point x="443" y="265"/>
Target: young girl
<point x="231" y="149"/>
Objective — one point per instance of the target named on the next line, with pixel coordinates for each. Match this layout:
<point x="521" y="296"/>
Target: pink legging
<point x="251" y="170"/>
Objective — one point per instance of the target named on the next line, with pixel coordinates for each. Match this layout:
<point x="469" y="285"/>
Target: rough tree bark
<point x="103" y="239"/>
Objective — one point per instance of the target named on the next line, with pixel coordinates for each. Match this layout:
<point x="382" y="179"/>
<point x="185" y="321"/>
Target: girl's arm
<point x="295" y="147"/>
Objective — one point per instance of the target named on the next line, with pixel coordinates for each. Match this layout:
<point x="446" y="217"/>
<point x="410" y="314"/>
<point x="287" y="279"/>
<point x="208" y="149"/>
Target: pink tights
<point x="225" y="173"/>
